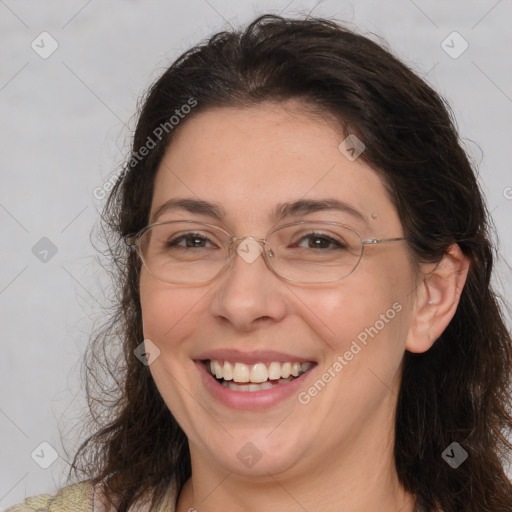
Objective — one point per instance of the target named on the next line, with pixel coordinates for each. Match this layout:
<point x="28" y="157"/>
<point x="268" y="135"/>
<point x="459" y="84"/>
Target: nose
<point x="249" y="293"/>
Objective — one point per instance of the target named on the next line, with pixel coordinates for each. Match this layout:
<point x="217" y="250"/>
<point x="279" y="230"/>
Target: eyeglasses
<point x="189" y="252"/>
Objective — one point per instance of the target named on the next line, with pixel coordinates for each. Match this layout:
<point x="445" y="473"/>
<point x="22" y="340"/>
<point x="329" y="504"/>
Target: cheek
<point x="167" y="312"/>
<point x="339" y="314"/>
<point x="365" y="318"/>
<point x="169" y="317"/>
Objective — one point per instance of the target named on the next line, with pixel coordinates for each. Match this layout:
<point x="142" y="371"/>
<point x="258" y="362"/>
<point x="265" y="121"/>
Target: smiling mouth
<point x="255" y="377"/>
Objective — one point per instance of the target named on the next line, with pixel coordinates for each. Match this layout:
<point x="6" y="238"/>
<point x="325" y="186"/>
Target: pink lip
<point x="253" y="357"/>
<point x="250" y="400"/>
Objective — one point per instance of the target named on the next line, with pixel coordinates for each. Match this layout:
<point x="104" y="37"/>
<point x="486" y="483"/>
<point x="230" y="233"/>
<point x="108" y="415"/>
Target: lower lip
<point x="250" y="400"/>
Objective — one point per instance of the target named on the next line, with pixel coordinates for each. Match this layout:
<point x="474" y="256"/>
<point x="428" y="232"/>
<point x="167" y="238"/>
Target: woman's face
<point x="247" y="163"/>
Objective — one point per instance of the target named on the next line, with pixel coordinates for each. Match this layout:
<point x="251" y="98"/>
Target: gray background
<point x="63" y="133"/>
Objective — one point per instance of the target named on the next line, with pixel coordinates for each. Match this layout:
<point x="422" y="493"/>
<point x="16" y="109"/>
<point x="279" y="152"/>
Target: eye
<point x="190" y="240"/>
<point x="319" y="241"/>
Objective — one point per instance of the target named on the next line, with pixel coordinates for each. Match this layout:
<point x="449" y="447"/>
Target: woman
<point x="305" y="308"/>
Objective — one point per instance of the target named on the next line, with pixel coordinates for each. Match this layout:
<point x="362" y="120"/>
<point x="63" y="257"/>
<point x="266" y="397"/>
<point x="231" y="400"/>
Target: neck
<point x="358" y="477"/>
<point x="230" y="493"/>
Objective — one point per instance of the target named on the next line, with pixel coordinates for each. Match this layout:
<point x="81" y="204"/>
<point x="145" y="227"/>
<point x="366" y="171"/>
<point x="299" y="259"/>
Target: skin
<point x="336" y="452"/>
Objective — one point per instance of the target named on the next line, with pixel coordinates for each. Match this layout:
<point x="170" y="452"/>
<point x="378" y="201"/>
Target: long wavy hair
<point x="458" y="391"/>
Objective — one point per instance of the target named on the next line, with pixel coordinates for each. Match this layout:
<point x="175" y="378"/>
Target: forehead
<point x="250" y="160"/>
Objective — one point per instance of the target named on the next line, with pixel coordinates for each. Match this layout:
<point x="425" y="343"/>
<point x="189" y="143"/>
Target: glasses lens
<point x="184" y="252"/>
<point x="314" y="252"/>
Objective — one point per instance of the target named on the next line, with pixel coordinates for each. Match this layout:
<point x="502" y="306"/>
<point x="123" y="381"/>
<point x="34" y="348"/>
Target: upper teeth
<point x="259" y="372"/>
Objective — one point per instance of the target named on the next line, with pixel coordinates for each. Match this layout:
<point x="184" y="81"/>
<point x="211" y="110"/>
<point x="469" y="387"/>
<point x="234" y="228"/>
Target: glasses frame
<point x="133" y="241"/>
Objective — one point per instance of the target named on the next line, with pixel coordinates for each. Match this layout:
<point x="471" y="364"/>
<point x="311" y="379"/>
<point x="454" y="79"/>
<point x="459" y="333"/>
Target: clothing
<point x="80" y="497"/>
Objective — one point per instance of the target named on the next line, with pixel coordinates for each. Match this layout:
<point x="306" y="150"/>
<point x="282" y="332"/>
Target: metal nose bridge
<point x="235" y="241"/>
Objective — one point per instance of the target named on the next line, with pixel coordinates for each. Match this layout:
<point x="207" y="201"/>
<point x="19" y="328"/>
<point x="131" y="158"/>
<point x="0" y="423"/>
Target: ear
<point x="437" y="297"/>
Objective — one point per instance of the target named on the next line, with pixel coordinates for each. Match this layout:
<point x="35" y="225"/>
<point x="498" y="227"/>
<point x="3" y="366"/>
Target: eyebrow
<point x="279" y="213"/>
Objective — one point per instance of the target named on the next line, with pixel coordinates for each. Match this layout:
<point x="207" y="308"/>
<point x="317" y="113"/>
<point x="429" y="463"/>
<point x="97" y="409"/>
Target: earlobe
<point x="437" y="298"/>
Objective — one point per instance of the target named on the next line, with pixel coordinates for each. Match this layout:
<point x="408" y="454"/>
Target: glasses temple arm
<point x="373" y="241"/>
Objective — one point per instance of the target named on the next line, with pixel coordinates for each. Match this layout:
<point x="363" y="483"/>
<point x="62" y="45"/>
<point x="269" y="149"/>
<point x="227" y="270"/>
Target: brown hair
<point x="458" y="391"/>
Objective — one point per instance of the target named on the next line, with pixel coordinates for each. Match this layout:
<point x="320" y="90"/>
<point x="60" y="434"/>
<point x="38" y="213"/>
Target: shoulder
<point x="78" y="497"/>
<point x="82" y="497"/>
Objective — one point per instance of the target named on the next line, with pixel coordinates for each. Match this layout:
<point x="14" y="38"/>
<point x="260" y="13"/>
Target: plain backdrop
<point x="65" y="118"/>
